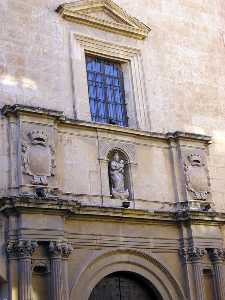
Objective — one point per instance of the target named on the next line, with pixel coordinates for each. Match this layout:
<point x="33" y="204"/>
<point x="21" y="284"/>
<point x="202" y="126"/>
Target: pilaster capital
<point x="192" y="254"/>
<point x="217" y="255"/>
<point x="60" y="249"/>
<point x="21" y="248"/>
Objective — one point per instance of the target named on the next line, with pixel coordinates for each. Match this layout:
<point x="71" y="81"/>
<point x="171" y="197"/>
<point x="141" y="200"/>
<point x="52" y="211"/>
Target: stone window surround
<point x="131" y="60"/>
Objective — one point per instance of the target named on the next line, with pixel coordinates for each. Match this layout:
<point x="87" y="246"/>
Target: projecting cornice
<point x="105" y="15"/>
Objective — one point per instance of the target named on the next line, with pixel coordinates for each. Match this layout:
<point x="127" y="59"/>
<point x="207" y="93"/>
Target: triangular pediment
<point x="105" y="15"/>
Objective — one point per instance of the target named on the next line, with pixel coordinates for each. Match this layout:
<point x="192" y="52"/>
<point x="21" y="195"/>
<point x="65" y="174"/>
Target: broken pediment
<point x="105" y="15"/>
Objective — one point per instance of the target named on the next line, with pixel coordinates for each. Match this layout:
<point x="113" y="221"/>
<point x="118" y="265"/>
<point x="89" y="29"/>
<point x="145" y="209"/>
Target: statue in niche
<point x="117" y="177"/>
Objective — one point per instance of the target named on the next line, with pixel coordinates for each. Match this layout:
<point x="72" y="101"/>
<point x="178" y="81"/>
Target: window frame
<point x="134" y="81"/>
<point x="109" y="102"/>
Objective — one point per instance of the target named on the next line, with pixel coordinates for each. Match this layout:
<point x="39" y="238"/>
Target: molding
<point x="18" y="109"/>
<point x="138" y="111"/>
<point x="106" y="145"/>
<point x="72" y="209"/>
<point x="147" y="266"/>
<point x="117" y="21"/>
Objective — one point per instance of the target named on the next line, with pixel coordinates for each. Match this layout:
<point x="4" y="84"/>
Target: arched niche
<point x="118" y="159"/>
<point x="126" y="260"/>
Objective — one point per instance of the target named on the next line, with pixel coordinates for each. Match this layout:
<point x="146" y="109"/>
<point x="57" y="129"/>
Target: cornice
<point x="120" y="23"/>
<point x="74" y="210"/>
<point x="59" y="116"/>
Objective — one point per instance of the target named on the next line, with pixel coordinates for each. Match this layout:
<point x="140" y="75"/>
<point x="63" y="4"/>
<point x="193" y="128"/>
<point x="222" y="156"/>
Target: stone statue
<point x="116" y="172"/>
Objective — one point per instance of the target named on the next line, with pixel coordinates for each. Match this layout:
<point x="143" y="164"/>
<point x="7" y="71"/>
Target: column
<point x="59" y="252"/>
<point x="23" y="250"/>
<point x="217" y="257"/>
<point x="193" y="256"/>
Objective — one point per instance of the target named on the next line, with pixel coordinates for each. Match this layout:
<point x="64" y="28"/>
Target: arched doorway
<point x="124" y="286"/>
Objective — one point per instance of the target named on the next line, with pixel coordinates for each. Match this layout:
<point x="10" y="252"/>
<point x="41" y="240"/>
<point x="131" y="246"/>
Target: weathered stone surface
<point x="174" y="84"/>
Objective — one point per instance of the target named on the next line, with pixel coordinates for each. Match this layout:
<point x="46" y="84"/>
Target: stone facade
<point x="67" y="221"/>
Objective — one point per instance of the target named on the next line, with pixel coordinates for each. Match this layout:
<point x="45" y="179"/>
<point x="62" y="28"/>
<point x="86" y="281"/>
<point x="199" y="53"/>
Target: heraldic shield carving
<point x="197" y="177"/>
<point x="38" y="158"/>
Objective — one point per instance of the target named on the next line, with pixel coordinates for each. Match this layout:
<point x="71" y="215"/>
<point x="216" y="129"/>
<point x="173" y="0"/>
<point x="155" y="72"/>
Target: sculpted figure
<point x="116" y="171"/>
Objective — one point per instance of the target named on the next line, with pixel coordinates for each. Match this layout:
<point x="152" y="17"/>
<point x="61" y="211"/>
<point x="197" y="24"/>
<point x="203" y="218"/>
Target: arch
<point x="127" y="260"/>
<point x="125" y="285"/>
<point x="106" y="146"/>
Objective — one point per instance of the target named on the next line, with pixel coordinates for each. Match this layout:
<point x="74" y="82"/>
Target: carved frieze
<point x="38" y="157"/>
<point x="197" y="177"/>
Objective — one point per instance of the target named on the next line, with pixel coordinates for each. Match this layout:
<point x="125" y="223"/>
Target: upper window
<point x="106" y="91"/>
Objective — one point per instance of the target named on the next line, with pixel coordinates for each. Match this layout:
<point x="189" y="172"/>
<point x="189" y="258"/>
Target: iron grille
<point x="106" y="91"/>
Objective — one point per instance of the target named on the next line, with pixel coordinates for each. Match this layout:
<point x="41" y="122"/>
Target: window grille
<point x="106" y="91"/>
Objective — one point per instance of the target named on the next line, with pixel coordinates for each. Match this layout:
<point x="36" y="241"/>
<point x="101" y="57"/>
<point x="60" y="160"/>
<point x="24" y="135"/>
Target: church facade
<point x="112" y="152"/>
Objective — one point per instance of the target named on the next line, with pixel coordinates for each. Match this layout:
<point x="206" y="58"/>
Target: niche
<point x="119" y="175"/>
<point x="40" y="281"/>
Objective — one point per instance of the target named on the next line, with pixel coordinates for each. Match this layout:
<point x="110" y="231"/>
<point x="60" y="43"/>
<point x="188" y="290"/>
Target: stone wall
<point x="182" y="61"/>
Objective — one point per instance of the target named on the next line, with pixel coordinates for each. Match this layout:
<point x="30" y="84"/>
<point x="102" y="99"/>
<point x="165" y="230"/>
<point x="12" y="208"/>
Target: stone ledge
<point x="60" y="117"/>
<point x="72" y="209"/>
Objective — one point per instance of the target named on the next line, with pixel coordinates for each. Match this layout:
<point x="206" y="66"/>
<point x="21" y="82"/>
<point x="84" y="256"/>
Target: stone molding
<point x="60" y="249"/>
<point x="18" y="109"/>
<point x="127" y="260"/>
<point x="118" y="21"/>
<point x="107" y="145"/>
<point x="132" y="57"/>
<point x="21" y="248"/>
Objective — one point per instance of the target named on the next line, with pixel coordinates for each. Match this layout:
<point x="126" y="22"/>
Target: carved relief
<point x="60" y="249"/>
<point x="117" y="177"/>
<point x="197" y="178"/>
<point x="21" y="248"/>
<point x="38" y="158"/>
<point x="192" y="254"/>
<point x="217" y="255"/>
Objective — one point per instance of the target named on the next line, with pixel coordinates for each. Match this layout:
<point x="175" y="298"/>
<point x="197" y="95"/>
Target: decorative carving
<point x="106" y="145"/>
<point x="197" y="179"/>
<point x="105" y="15"/>
<point x="217" y="254"/>
<point x="60" y="249"/>
<point x="116" y="171"/>
<point x="192" y="253"/>
<point x="21" y="248"/>
<point x="38" y="158"/>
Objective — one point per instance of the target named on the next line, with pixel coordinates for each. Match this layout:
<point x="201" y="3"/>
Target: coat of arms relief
<point x="197" y="177"/>
<point x="38" y="157"/>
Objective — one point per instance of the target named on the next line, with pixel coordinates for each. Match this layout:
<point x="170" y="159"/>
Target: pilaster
<point x="22" y="250"/>
<point x="59" y="253"/>
<point x="217" y="257"/>
<point x="193" y="256"/>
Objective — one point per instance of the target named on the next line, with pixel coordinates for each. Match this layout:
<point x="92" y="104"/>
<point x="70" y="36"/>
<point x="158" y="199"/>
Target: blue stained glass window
<point x="106" y="91"/>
